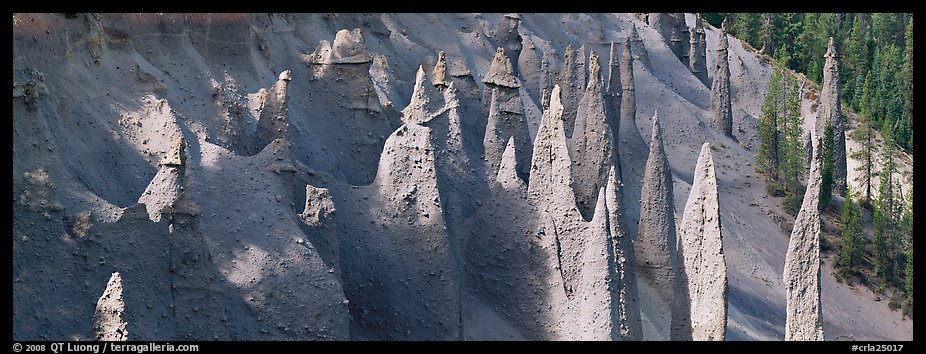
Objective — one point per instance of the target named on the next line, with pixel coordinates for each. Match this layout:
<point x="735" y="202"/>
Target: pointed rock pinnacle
<point x="501" y="72"/>
<point x="440" y="72"/>
<point x="832" y="114"/>
<point x="625" y="267"/>
<point x="426" y="102"/>
<point x="108" y="324"/>
<point x="697" y="55"/>
<point x="507" y="173"/>
<point x="701" y="247"/>
<point x="802" y="263"/>
<point x="175" y="156"/>
<point x="550" y="173"/>
<point x="656" y="239"/>
<point x="591" y="146"/>
<point x="721" y="106"/>
<point x="273" y="121"/>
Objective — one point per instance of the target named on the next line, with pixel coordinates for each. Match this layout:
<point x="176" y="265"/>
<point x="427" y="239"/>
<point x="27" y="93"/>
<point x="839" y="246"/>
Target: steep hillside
<point x="380" y="176"/>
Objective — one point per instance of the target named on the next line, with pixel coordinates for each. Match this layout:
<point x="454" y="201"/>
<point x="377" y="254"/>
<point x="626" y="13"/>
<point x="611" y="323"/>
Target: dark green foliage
<point x="774" y="189"/>
<point x="887" y="213"/>
<point x="746" y="26"/>
<point x="792" y="148"/>
<point x="767" y="158"/>
<point x="781" y="149"/>
<point x="850" y="250"/>
<point x="713" y="18"/>
<point x="880" y="43"/>
<point x="855" y="62"/>
<point x="906" y="91"/>
<point x="875" y="53"/>
<point x="865" y="134"/>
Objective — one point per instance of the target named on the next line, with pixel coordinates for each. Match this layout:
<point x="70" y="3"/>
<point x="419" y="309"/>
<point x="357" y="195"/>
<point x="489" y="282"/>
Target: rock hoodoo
<point x="502" y="88"/>
<point x="721" y="106"/>
<point x="273" y="122"/>
<point x="802" y="262"/>
<point x="426" y="103"/>
<point x="439" y="74"/>
<point x="831" y="112"/>
<point x="348" y="48"/>
<point x="571" y="85"/>
<point x="551" y="189"/>
<point x="591" y="144"/>
<point x="550" y="179"/>
<point x="639" y="48"/>
<point x="343" y="70"/>
<point x="108" y="324"/>
<point x="630" y="139"/>
<point x="697" y="55"/>
<point x="507" y="36"/>
<point x="501" y="72"/>
<point x="613" y="98"/>
<point x="701" y="247"/>
<point x="546" y="83"/>
<point x="168" y="183"/>
<point x="625" y="266"/>
<point x="673" y="29"/>
<point x="656" y="238"/>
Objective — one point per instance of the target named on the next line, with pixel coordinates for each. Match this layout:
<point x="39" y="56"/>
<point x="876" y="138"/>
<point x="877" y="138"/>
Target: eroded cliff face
<point x="397" y="177"/>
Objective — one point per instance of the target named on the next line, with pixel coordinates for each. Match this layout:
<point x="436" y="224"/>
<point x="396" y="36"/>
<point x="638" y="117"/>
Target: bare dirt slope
<point x="318" y="194"/>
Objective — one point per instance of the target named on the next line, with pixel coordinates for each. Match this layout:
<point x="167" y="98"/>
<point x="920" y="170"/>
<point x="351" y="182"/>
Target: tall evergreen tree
<point x="865" y="134"/>
<point x="906" y="87"/>
<point x="885" y="28"/>
<point x="765" y="34"/>
<point x="856" y="61"/>
<point x="793" y="148"/>
<point x="887" y="211"/>
<point x="886" y="101"/>
<point x="818" y="27"/>
<point x="767" y="157"/>
<point x="857" y="92"/>
<point x="850" y="250"/>
<point x="747" y="26"/>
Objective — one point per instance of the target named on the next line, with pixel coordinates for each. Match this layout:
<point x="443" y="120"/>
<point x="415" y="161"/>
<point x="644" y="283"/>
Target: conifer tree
<point x="886" y="211"/>
<point x="850" y="250"/>
<point x="767" y="157"/>
<point x="865" y="134"/>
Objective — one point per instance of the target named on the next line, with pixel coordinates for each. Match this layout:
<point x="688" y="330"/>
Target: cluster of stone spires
<point x="573" y="184"/>
<point x="802" y="262"/>
<point x="686" y="268"/>
<point x="576" y="177"/>
<point x="690" y="46"/>
<point x="690" y="266"/>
